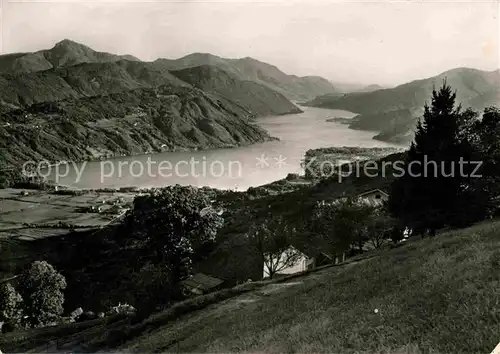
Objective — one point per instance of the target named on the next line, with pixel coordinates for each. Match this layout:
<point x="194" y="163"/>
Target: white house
<point x="374" y="197"/>
<point x="301" y="262"/>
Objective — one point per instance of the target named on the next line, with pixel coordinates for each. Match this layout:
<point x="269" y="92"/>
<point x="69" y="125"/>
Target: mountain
<point x="64" y="53"/>
<point x="249" y="69"/>
<point x="135" y="121"/>
<point x="67" y="53"/>
<point x="255" y="98"/>
<point x="73" y="103"/>
<point x="19" y="91"/>
<point x="393" y="112"/>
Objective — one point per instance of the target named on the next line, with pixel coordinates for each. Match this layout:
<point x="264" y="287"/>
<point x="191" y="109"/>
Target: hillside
<point x="255" y="98"/>
<point x="131" y="122"/>
<point x="19" y="91"/>
<point x="249" y="69"/>
<point x="437" y="295"/>
<point x="73" y="70"/>
<point x="393" y="111"/>
<point x="52" y="102"/>
<point x="64" y="53"/>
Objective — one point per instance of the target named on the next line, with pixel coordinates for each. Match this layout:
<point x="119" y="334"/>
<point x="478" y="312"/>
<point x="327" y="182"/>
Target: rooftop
<point x="202" y="281"/>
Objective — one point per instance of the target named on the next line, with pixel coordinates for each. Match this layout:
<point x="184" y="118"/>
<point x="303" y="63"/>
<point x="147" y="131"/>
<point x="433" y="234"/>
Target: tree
<point x="485" y="133"/>
<point x="341" y="224"/>
<point x="167" y="228"/>
<point x="272" y="240"/>
<point x="10" y="305"/>
<point x="41" y="287"/>
<point x="434" y="192"/>
<point x="397" y="234"/>
<point x="380" y="227"/>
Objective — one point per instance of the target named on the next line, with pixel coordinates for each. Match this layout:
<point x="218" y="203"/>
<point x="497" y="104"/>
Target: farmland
<point x="52" y="214"/>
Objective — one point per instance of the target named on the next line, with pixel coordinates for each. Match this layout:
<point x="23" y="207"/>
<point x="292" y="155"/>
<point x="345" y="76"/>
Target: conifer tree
<point x="436" y="189"/>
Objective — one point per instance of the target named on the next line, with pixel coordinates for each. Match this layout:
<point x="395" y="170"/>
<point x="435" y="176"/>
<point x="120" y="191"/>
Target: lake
<point x="236" y="168"/>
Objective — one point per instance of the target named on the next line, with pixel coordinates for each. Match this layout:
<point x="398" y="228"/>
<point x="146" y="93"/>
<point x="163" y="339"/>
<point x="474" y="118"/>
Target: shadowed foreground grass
<point x="439" y="295"/>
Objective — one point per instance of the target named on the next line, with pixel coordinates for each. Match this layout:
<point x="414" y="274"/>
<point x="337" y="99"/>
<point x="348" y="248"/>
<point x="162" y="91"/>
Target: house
<point x="199" y="284"/>
<point x="300" y="263"/>
<point x="374" y="197"/>
<point x="304" y="260"/>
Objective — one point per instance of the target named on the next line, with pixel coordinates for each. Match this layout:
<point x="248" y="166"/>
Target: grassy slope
<point x="438" y="295"/>
<point x="434" y="296"/>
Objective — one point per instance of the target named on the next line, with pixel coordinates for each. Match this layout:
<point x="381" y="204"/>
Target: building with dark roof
<point x="200" y="283"/>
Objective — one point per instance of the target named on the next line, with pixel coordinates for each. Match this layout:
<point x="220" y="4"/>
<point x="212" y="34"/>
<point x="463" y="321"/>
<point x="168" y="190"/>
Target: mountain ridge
<point x="393" y="111"/>
<point x="257" y="99"/>
<point x="68" y="52"/>
<point x="74" y="105"/>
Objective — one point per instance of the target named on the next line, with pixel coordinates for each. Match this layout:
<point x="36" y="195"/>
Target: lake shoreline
<point x="257" y="164"/>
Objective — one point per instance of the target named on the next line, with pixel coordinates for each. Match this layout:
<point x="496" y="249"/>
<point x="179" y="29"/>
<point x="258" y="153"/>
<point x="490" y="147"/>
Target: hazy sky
<point x="382" y="42"/>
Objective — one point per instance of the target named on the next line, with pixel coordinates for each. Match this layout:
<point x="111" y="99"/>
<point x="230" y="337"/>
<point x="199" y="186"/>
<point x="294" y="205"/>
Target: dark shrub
<point x="116" y="337"/>
<point x="8" y="327"/>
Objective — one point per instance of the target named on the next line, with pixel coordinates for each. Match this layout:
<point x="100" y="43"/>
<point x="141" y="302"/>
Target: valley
<point x="167" y="201"/>
<point x="72" y="103"/>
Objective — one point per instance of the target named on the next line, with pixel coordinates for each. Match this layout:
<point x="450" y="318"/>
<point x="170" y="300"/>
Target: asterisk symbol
<point x="262" y="161"/>
<point x="280" y="161"/>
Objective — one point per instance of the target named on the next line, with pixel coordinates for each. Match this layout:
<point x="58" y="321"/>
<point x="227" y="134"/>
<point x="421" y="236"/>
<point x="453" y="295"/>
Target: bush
<point x="8" y="327"/>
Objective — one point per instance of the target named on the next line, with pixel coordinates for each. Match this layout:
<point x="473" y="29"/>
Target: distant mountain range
<point x="369" y="88"/>
<point x="69" y="53"/>
<point x="393" y="112"/>
<point x="346" y="87"/>
<point x="69" y="102"/>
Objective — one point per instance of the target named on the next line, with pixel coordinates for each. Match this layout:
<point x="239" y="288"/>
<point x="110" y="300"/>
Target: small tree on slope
<point x="10" y="305"/>
<point x="41" y="287"/>
<point x="272" y="240"/>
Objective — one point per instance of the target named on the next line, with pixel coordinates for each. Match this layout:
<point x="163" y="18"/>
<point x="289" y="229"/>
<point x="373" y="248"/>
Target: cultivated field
<point x="51" y="214"/>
